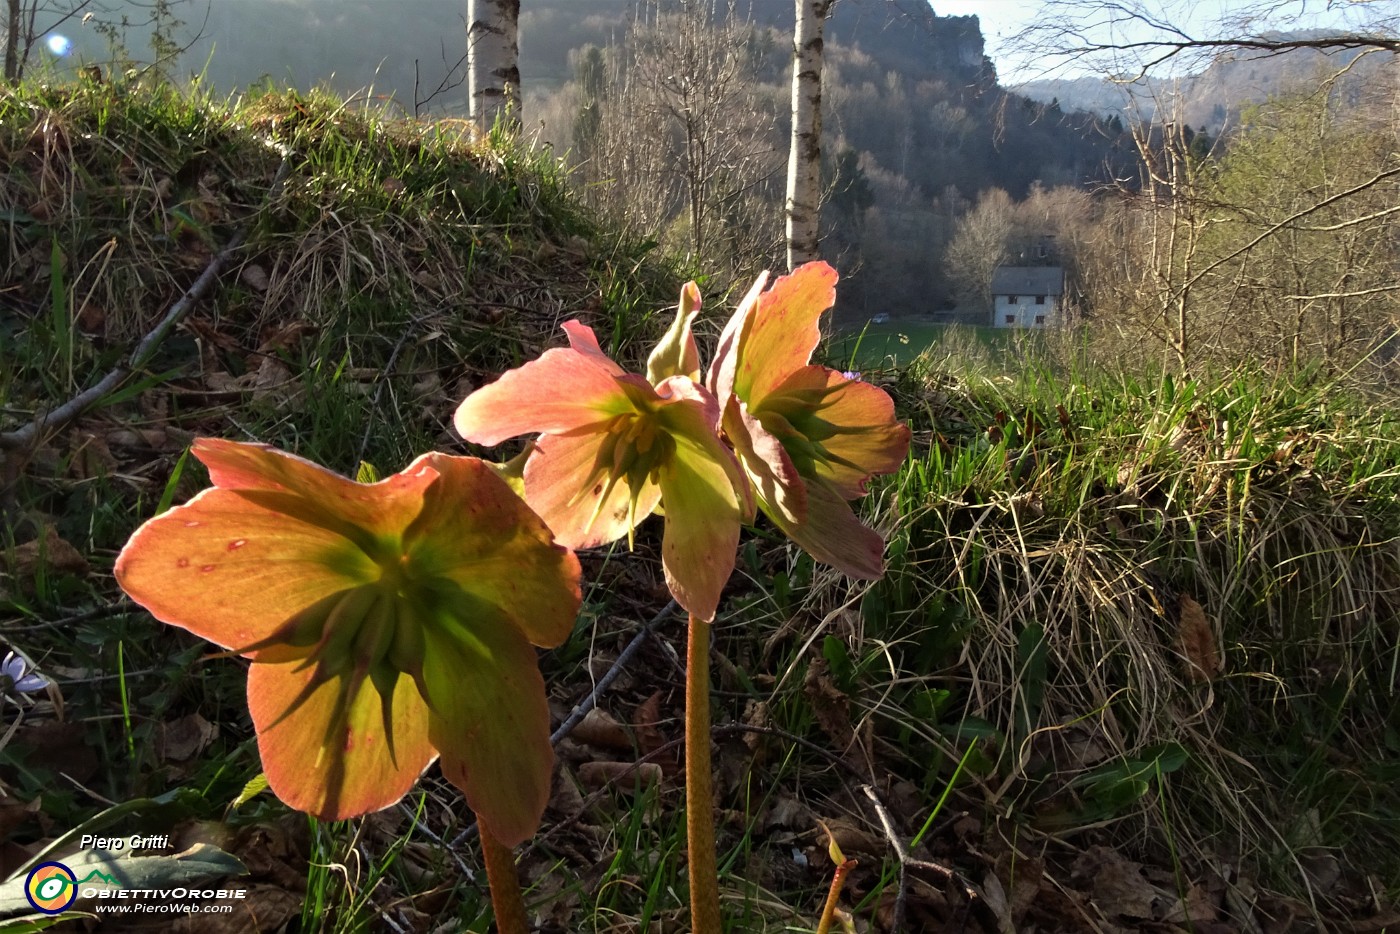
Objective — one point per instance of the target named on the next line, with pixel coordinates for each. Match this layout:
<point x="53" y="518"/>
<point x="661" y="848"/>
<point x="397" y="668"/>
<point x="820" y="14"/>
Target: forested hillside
<point x="917" y="126"/>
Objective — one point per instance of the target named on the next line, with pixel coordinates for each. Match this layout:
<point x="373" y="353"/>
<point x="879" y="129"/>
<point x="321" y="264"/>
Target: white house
<point x="1026" y="296"/>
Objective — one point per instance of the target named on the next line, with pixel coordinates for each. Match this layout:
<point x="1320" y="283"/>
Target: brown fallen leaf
<point x="183" y="739"/>
<point x="15" y="813"/>
<point x="92" y="320"/>
<point x="50" y="552"/>
<point x="273" y="381"/>
<point x="91" y="457"/>
<point x="599" y="728"/>
<point x="1118" y="887"/>
<point x="850" y="838"/>
<point x="644" y="725"/>
<point x="264" y="908"/>
<point x="626" y="777"/>
<point x="254" y="277"/>
<point x="1021" y="878"/>
<point x="59" y="747"/>
<point x="831" y="706"/>
<point x="1196" y="640"/>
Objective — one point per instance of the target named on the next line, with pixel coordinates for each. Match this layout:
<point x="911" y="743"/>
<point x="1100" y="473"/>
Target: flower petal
<point x="721" y="376"/>
<point x="232" y="571"/>
<point x="562" y="390"/>
<point x="705" y="496"/>
<point x="778" y="486"/>
<point x="784" y="330"/>
<point x="584" y="341"/>
<point x="851" y="423"/>
<point x="832" y="534"/>
<point x="581" y="518"/>
<point x="676" y="354"/>
<point x="489" y="719"/>
<point x="307" y="491"/>
<point x="330" y="756"/>
<point x="477" y="533"/>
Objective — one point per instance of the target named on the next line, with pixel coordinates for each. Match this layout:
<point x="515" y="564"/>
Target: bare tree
<point x="27" y="22"/>
<point x="981" y="242"/>
<point x="679" y="134"/>
<point x="493" y="70"/>
<point x="22" y="33"/>
<point x="803" y="204"/>
<point x="1131" y="39"/>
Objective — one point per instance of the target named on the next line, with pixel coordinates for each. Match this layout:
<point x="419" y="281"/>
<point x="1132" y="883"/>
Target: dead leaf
<point x="183" y="739"/>
<point x="831" y="707"/>
<point x="565" y="798"/>
<point x="59" y="747"/>
<point x="644" y="725"/>
<point x="626" y="777"/>
<point x="1199" y="905"/>
<point x="264" y="908"/>
<point x="91" y="457"/>
<point x="787" y="811"/>
<point x="92" y="320"/>
<point x="1022" y="882"/>
<point x="273" y="379"/>
<point x="1196" y="640"/>
<point x="851" y="839"/>
<point x="599" y="728"/>
<point x="283" y="336"/>
<point x="1118" y="887"/>
<point x="15" y="813"/>
<point x="50" y="552"/>
<point x="254" y="277"/>
<point x="759" y="744"/>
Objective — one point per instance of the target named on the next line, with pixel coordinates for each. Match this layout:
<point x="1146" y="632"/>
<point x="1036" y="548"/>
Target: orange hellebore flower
<point x="615" y="446"/>
<point x="387" y="624"/>
<point x="808" y="437"/>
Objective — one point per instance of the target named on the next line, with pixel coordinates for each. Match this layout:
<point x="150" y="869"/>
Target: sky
<point x="1003" y="20"/>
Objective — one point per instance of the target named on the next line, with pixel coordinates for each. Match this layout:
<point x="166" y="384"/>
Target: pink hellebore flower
<point x="809" y="438"/>
<point x="614" y="447"/>
<point x="387" y="623"/>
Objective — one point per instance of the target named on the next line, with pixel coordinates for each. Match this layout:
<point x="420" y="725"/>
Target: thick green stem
<point x="699" y="787"/>
<point x="506" y="899"/>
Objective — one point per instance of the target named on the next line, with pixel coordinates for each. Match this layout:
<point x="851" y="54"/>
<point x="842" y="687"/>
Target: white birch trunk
<point x="805" y="157"/>
<point x="493" y="71"/>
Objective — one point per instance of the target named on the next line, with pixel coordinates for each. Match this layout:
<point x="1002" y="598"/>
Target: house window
<point x="1010" y="319"/>
<point x="1040" y="299"/>
<point x="1010" y="299"/>
<point x="1039" y="319"/>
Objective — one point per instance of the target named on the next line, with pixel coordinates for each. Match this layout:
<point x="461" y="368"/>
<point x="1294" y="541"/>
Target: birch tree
<point x="803" y="206"/>
<point x="493" y="71"/>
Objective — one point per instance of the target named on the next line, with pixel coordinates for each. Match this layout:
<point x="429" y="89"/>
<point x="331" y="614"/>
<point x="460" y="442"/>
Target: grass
<point x="1032" y="679"/>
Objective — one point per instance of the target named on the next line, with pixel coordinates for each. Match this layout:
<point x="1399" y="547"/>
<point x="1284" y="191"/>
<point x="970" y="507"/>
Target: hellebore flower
<point x="15" y="676"/>
<point x="387" y="624"/>
<point x="808" y="437"/>
<point x="615" y="446"/>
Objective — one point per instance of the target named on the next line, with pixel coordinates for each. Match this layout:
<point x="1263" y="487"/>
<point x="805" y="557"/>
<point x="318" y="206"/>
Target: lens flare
<point x="59" y="45"/>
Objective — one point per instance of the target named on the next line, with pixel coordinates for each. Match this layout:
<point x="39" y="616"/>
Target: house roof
<point x="1028" y="280"/>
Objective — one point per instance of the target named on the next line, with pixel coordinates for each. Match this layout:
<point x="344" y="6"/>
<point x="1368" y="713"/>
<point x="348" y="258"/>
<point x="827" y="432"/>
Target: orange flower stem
<point x="501" y="876"/>
<point x="699" y="787"/>
<point x="838" y="881"/>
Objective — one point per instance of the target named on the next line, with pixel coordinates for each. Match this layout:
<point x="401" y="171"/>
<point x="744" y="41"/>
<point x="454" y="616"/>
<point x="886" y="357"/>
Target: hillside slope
<point x="1131" y="667"/>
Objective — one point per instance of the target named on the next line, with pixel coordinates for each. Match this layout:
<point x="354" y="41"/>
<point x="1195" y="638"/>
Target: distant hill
<point x="1212" y="99"/>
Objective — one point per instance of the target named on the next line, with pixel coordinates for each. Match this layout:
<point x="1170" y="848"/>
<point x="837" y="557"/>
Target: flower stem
<point x="834" y="895"/>
<point x="506" y="899"/>
<point x="699" y="787"/>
